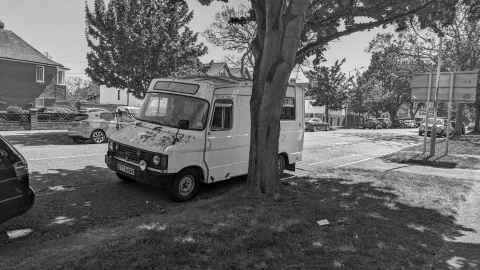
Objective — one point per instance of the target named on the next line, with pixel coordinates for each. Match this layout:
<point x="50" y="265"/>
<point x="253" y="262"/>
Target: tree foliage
<point x="133" y="41"/>
<point x="234" y="37"/>
<point x="329" y="86"/>
<point x="288" y="32"/>
<point x="384" y="86"/>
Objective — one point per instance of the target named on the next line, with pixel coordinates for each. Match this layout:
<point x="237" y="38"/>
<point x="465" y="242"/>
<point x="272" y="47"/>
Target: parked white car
<point x="198" y="130"/>
<point x="96" y="125"/>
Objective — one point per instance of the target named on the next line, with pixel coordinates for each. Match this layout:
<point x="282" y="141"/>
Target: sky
<point x="58" y="27"/>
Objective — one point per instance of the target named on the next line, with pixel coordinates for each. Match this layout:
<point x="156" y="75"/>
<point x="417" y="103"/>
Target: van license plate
<point x="126" y="169"/>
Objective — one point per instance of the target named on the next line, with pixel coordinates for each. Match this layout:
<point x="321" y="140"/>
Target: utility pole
<point x="433" y="134"/>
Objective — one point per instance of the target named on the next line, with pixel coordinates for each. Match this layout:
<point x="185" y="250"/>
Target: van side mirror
<point x="183" y="124"/>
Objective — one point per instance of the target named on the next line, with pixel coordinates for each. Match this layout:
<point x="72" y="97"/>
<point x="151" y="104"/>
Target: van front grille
<point x="128" y="153"/>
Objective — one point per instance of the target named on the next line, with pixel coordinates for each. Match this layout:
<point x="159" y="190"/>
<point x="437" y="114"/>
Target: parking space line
<point x="354" y="162"/>
<point x="332" y="159"/>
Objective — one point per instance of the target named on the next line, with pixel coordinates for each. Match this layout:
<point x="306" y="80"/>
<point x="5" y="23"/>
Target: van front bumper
<point x="149" y="176"/>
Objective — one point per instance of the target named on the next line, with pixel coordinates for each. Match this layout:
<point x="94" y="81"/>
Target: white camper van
<point x="194" y="130"/>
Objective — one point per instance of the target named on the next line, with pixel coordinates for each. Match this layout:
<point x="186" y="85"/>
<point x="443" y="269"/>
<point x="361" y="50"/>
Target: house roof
<point x="215" y="69"/>
<point x="12" y="47"/>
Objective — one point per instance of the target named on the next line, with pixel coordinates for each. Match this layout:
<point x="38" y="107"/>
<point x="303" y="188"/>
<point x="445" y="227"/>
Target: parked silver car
<point x="96" y="125"/>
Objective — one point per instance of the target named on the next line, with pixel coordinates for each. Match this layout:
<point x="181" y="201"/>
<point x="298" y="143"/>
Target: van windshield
<point x="168" y="109"/>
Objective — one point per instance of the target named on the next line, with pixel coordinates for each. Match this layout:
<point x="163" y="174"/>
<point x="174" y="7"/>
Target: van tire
<point x="281" y="164"/>
<point x="98" y="136"/>
<point x="185" y="185"/>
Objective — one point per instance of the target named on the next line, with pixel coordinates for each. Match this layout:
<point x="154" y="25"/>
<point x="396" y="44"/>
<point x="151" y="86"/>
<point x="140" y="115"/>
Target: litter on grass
<point x="61" y="188"/>
<point x="14" y="234"/>
<point x="62" y="220"/>
<point x="153" y="227"/>
<point x="323" y="222"/>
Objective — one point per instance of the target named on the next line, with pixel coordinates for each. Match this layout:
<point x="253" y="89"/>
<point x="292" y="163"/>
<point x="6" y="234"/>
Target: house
<point x="26" y="74"/>
<point x="110" y="95"/>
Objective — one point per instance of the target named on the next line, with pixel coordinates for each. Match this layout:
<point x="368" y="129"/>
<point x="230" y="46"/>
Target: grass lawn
<point x="375" y="221"/>
<point x="463" y="153"/>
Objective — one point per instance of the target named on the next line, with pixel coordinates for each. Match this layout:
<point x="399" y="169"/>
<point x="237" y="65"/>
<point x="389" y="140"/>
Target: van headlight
<point x="160" y="161"/>
<point x="143" y="165"/>
<point x="110" y="145"/>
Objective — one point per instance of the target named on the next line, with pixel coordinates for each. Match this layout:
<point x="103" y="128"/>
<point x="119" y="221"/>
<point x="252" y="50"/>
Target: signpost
<point x="458" y="87"/>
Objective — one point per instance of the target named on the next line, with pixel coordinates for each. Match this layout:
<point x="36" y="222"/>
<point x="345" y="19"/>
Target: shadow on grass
<point x="72" y="201"/>
<point x="368" y="229"/>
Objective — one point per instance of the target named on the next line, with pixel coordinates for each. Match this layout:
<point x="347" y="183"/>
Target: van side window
<point x="288" y="109"/>
<point x="222" y="118"/>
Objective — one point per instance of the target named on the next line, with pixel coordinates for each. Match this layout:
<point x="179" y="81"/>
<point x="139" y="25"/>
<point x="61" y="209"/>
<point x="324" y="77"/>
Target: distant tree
<point x="234" y="37"/>
<point x="287" y="33"/>
<point x="73" y="84"/>
<point x="329" y="86"/>
<point x="386" y="81"/>
<point x="133" y="41"/>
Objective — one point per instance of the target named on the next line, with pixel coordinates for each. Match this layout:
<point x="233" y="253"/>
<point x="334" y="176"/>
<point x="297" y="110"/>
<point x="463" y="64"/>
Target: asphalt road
<point x="76" y="191"/>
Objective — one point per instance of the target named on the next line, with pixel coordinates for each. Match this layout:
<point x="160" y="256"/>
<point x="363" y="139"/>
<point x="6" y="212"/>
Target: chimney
<point x="2" y="25"/>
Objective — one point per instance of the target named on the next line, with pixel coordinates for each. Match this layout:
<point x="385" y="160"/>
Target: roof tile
<point x="15" y="48"/>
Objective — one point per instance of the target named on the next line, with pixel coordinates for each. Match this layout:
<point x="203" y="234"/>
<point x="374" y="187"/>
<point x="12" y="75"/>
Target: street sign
<point x="464" y="87"/>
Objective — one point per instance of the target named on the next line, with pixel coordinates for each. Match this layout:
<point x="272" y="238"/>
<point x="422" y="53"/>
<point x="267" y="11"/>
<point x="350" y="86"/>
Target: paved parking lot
<point x="76" y="192"/>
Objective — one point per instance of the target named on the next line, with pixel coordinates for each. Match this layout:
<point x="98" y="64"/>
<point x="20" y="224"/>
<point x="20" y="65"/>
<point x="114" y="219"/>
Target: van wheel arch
<point x="198" y="170"/>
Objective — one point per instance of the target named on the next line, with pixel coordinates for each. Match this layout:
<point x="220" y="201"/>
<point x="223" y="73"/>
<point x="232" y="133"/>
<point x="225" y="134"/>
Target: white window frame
<point x="40" y="80"/>
<point x="58" y="77"/>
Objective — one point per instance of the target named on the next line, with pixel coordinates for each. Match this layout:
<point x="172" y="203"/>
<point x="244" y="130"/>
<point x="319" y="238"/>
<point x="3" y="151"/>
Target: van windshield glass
<point x="168" y="109"/>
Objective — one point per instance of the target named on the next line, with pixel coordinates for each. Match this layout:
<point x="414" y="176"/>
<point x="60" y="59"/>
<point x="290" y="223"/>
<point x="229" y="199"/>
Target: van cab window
<point x="222" y="115"/>
<point x="288" y="109"/>
<point x="168" y="109"/>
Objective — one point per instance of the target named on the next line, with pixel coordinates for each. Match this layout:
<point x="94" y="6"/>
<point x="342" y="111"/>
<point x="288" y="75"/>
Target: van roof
<point x="215" y="81"/>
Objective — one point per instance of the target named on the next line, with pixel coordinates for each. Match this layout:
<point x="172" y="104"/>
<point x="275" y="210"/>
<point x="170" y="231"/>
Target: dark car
<point x="385" y="122"/>
<point x="16" y="196"/>
<point x="372" y="123"/>
<point x="315" y="124"/>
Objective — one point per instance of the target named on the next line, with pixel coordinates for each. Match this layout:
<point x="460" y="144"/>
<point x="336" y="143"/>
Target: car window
<point x="222" y="115"/>
<point x="7" y="157"/>
<point x="107" y="116"/>
<point x="288" y="109"/>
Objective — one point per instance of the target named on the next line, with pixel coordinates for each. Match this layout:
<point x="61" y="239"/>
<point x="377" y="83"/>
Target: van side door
<point x="219" y="149"/>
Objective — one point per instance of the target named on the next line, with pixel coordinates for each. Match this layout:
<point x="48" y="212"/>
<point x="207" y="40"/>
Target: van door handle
<point x="209" y="144"/>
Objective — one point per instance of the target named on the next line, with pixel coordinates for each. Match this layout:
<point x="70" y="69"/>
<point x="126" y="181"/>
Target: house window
<point x="61" y="77"/>
<point x="40" y="74"/>
<point x="288" y="109"/>
<point x="222" y="115"/>
<point x="118" y="94"/>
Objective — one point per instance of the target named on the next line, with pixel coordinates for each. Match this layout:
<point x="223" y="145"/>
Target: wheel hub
<point x="186" y="185"/>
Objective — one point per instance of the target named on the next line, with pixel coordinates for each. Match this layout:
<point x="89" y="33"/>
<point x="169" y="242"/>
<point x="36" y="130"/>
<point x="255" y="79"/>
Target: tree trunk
<point x="477" y="117"/>
<point x="327" y="113"/>
<point x="459" y="117"/>
<point x="279" y="25"/>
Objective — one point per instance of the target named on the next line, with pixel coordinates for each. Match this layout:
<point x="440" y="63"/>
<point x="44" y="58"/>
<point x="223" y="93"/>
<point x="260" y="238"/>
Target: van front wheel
<point x="184" y="186"/>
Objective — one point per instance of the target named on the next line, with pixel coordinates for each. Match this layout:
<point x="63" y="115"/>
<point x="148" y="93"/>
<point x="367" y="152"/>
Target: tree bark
<point x="459" y="117"/>
<point x="327" y="114"/>
<point x="477" y="117"/>
<point x="279" y="25"/>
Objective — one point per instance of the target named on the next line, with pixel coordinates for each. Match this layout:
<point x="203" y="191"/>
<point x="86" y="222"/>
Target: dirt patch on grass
<point x="374" y="222"/>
